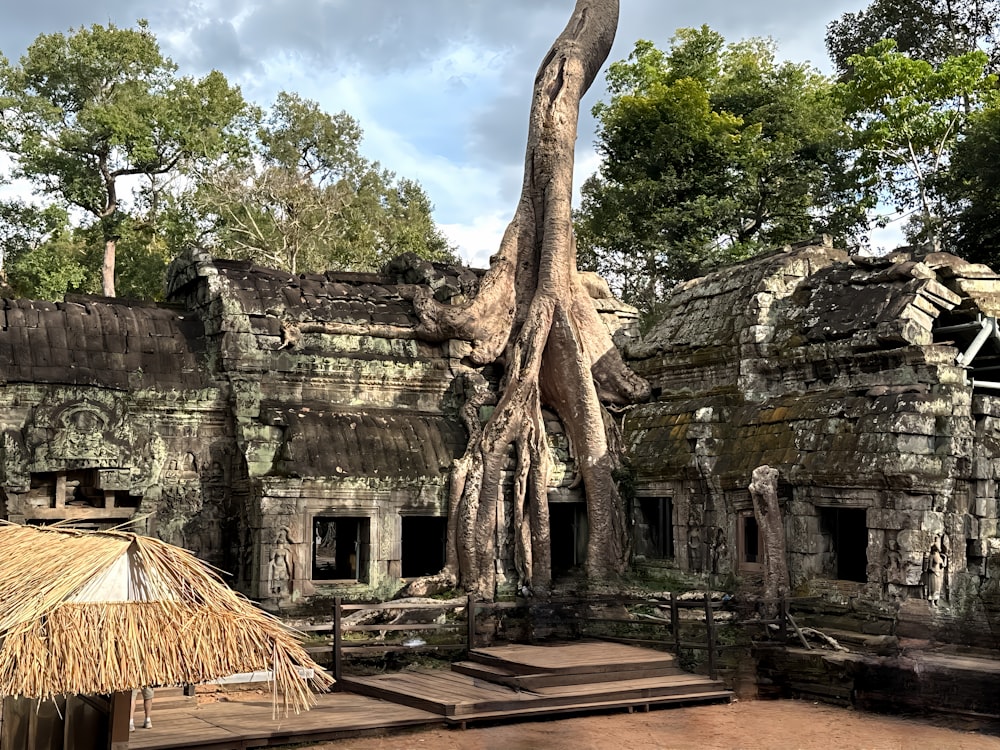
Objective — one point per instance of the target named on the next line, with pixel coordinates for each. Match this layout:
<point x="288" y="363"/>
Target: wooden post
<point x="120" y="714"/>
<point x="337" y="656"/>
<point x="783" y="619"/>
<point x="710" y="622"/>
<point x="675" y="622"/>
<point x="470" y="622"/>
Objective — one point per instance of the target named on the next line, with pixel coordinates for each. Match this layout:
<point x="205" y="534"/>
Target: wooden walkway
<point x="507" y="682"/>
<point x="238" y="724"/>
<point x="510" y="682"/>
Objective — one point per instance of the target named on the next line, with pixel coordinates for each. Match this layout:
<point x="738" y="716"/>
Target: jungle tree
<point x="534" y="316"/>
<point x="710" y="151"/>
<point x="931" y="30"/>
<point x="308" y="200"/>
<point x="85" y="111"/>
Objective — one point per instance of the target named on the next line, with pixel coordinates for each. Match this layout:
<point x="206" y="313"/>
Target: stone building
<point x="295" y="432"/>
<point x="291" y="430"/>
<point x="871" y="384"/>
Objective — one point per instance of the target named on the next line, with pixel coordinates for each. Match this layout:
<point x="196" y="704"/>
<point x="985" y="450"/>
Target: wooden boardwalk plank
<point x="238" y="724"/>
<point x="572" y="678"/>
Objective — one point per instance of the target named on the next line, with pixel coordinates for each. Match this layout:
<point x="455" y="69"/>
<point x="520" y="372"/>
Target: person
<point x="147" y="708"/>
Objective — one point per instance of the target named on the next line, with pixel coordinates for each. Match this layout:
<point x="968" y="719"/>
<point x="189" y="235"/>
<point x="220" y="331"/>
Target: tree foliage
<point x="931" y="30"/>
<point x="972" y="188"/>
<point x="709" y="151"/>
<point x="907" y="115"/>
<point x="309" y="201"/>
<point x="86" y="110"/>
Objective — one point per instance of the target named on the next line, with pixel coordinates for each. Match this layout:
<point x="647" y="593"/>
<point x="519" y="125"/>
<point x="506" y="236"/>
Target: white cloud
<point x="480" y="238"/>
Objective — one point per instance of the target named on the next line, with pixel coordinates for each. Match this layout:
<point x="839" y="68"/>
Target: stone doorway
<point x="340" y="548"/>
<point x="568" y="528"/>
<point x="846" y="533"/>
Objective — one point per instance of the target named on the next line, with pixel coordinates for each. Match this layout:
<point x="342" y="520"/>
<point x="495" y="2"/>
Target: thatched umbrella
<point x="101" y="612"/>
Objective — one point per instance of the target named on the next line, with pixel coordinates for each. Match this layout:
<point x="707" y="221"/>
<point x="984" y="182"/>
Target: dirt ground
<point x="745" y="725"/>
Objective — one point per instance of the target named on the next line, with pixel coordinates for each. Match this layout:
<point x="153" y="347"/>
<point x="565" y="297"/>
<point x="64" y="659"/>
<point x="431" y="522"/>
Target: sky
<point x="440" y="87"/>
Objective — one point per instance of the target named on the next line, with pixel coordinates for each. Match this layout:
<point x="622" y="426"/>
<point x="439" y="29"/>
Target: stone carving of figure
<point x="893" y="563"/>
<point x="281" y="567"/>
<point x="719" y="548"/>
<point x="937" y="563"/>
<point x="694" y="550"/>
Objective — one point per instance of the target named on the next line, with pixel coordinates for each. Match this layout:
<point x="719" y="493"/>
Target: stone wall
<point x="290" y="429"/>
<point x="844" y="374"/>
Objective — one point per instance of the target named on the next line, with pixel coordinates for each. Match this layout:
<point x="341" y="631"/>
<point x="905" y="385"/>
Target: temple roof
<point x="99" y="341"/>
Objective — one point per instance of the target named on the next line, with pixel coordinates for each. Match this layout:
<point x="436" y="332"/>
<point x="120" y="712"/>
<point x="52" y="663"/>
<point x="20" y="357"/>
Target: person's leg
<point x="147" y="707"/>
<point x="131" y="713"/>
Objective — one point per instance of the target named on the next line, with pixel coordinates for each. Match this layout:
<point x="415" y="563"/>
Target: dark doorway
<point x="423" y="545"/>
<point x="340" y="548"/>
<point x="655" y="527"/>
<point x="751" y="540"/>
<point x="568" y="535"/>
<point x="847" y="532"/>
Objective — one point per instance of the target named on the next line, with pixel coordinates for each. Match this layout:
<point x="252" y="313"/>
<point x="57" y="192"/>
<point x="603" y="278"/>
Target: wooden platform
<point x="513" y="681"/>
<point x="244" y="724"/>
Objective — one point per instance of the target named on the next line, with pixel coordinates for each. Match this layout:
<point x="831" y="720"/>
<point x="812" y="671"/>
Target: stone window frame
<point x="364" y="545"/>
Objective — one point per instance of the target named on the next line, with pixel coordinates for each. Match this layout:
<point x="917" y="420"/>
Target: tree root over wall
<point x="534" y="315"/>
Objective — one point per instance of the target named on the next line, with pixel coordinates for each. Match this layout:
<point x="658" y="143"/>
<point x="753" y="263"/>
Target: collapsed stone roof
<point x="836" y="369"/>
<point x="322" y="442"/>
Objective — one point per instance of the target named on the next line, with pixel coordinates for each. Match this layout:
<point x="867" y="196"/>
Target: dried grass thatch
<point x="106" y="611"/>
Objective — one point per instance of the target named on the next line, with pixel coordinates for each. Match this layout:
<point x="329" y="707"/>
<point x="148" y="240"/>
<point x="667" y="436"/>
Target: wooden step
<point x="584" y="657"/>
<point x="701" y="698"/>
<point x="455" y="695"/>
<point x="502" y="675"/>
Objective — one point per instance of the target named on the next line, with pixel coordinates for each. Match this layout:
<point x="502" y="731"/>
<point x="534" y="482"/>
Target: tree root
<point x="534" y="313"/>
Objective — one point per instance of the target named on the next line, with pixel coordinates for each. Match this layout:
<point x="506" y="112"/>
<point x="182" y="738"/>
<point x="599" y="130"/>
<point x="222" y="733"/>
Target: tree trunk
<point x="108" y="268"/>
<point x="534" y="315"/>
<point x="764" y="492"/>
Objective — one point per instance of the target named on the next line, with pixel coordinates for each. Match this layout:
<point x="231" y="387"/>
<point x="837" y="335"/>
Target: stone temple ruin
<point x="871" y="386"/>
<point x="294" y="432"/>
<point x="290" y="430"/>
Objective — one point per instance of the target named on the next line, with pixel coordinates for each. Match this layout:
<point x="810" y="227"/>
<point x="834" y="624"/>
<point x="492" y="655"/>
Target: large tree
<point x="931" y="30"/>
<point x="84" y="111"/>
<point x="710" y="151"/>
<point x="907" y="115"/>
<point x="534" y="316"/>
<point x="308" y="200"/>
<point x="972" y="189"/>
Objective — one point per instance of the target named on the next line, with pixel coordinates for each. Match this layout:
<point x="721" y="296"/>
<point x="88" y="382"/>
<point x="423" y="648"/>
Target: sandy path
<point x="745" y="725"/>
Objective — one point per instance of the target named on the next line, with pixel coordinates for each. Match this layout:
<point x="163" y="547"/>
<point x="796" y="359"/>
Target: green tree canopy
<point x="972" y="188"/>
<point x="709" y="151"/>
<point x="931" y="30"/>
<point x="309" y="201"/>
<point x="83" y="111"/>
<point x="907" y="115"/>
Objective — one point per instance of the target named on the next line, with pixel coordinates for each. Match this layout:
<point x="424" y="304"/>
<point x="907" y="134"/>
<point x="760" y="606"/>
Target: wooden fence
<point x="450" y="630"/>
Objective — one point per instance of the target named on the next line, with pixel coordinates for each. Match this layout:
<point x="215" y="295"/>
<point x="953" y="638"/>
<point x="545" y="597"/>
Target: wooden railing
<point x="667" y="630"/>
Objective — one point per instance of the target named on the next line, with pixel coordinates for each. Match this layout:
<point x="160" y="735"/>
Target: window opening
<point x="750" y="544"/>
<point x="423" y="545"/>
<point x="340" y="548"/>
<point x="655" y="532"/>
<point x="568" y="536"/>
